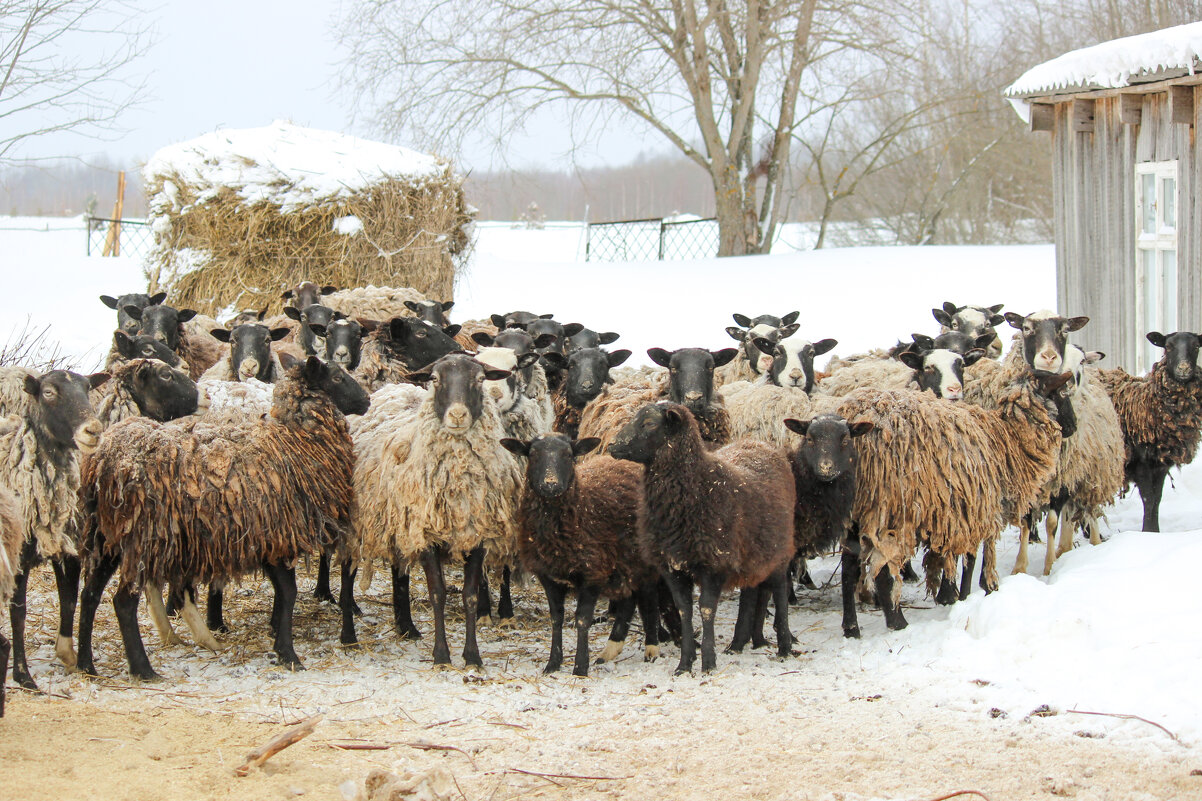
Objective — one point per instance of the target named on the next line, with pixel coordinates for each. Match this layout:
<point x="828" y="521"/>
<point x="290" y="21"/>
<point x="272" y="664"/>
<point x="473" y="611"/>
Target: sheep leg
<point x="483" y="600"/>
<point x="66" y="580"/>
<point x="505" y="600"/>
<point x="16" y="611"/>
<point x="1149" y="479"/>
<point x="647" y="599"/>
<point x="125" y="604"/>
<point x="473" y="570"/>
<point x="945" y="567"/>
<point x="849" y="567"/>
<point x="669" y="615"/>
<point x="346" y="600"/>
<point x="555" y="594"/>
<point x="175" y="600"/>
<point x="1091" y="523"/>
<point x="158" y="615"/>
<point x="803" y="578"/>
<point x="195" y="623"/>
<point x="762" y="594"/>
<point x="432" y="562"/>
<point x="908" y="575"/>
<point x="681" y="586"/>
<point x="748" y="600"/>
<point x="622" y="610"/>
<point x="216" y="620"/>
<point x="322" y="591"/>
<point x="989" y="578"/>
<point x="894" y="619"/>
<point x="779" y="584"/>
<point x="89" y="602"/>
<point x="970" y="564"/>
<point x="285" y="582"/>
<point x="402" y="611"/>
<point x="1067" y="530"/>
<point x="276" y="603"/>
<point x="1024" y="534"/>
<point x="586" y="605"/>
<point x="4" y="649"/>
<point x="707" y="601"/>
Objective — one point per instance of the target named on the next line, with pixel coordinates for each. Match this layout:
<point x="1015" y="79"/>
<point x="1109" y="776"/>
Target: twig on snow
<point x="1124" y="717"/>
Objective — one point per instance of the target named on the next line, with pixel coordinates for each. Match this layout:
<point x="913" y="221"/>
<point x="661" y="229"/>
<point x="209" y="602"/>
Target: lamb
<point x="11" y="536"/>
<point x="520" y="416"/>
<point x="191" y="501"/>
<point x="438" y="484"/>
<point x="1160" y="415"/>
<point x="724" y="519"/>
<point x="577" y="529"/>
<point x="690" y="381"/>
<point x="953" y="472"/>
<point x="975" y="321"/>
<point x="40" y="444"/>
<point x="751" y="361"/>
<point x="1044" y="336"/>
<point x="587" y="375"/>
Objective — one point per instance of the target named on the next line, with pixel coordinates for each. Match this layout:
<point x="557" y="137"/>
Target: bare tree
<point x="717" y="80"/>
<point x="49" y="83"/>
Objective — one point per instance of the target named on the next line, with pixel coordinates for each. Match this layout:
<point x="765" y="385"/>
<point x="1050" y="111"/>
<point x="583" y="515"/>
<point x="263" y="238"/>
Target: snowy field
<point x="934" y="708"/>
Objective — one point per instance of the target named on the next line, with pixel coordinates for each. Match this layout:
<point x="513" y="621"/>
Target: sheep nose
<point x="458" y="416"/>
<point x="796" y="374"/>
<point x="495" y="393"/>
<point x="159" y="336"/>
<point x="953" y="391"/>
<point x="588" y="384"/>
<point x="1047" y="359"/>
<point x="1184" y="367"/>
<point x="248" y="367"/>
<point x="692" y="396"/>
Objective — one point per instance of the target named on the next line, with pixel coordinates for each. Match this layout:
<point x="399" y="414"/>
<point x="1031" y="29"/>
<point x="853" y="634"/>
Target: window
<point x="1155" y="255"/>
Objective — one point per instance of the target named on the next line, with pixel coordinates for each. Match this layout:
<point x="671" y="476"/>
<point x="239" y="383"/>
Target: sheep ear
<point x="132" y="311"/>
<point x="292" y="313"/>
<point x="483" y="338"/>
<point x="287" y="293"/>
<point x="572" y="329"/>
<point x="737" y="334"/>
<point x="412" y="306"/>
<point x="790" y="318"/>
<point x="184" y="315"/>
<point x="950" y="308"/>
<point x="277" y="334"/>
<point x="861" y="428"/>
<point x="788" y="330"/>
<point x="33" y="385"/>
<point x="515" y="446"/>
<point x="545" y="340"/>
<point x="742" y="319"/>
<point x="910" y="359"/>
<point x="1094" y="356"/>
<point x="452" y="330"/>
<point x="984" y="340"/>
<point x="287" y="360"/>
<point x="1015" y="319"/>
<point x="997" y="307"/>
<point x="660" y="356"/>
<point x="1075" y="323"/>
<point x="420" y="377"/>
<point x="123" y="344"/>
<point x="673" y="416"/>
<point x="496" y="374"/>
<point x="316" y="328"/>
<point x="797" y="426"/>
<point x="617" y="357"/>
<point x="157" y="299"/>
<point x="498" y="320"/>
<point x="527" y="359"/>
<point x="824" y="345"/>
<point x="262" y="313"/>
<point x="367" y="325"/>
<point x="314" y="370"/>
<point x="447" y="305"/>
<point x="973" y="356"/>
<point x="329" y="289"/>
<point x="583" y="446"/>
<point x="110" y="301"/>
<point x="942" y="317"/>
<point x="547" y="316"/>
<point x="97" y="379"/>
<point x="724" y="356"/>
<point x="923" y="341"/>
<point x="609" y="337"/>
<point x="397" y="329"/>
<point x="556" y="361"/>
<point x="996" y="319"/>
<point x="220" y="334"/>
<point x="338" y="316"/>
<point x="765" y="346"/>
<point x="1156" y="338"/>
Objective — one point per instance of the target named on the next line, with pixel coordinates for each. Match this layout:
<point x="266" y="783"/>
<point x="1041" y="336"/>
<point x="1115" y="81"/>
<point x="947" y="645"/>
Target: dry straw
<point x="414" y="233"/>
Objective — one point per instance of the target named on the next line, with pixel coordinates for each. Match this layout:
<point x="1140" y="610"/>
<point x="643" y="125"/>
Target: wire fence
<point x="107" y="237"/>
<point x="651" y="240"/>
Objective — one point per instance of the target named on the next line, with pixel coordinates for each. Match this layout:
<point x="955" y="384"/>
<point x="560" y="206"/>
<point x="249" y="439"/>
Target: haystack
<point x="239" y="216"/>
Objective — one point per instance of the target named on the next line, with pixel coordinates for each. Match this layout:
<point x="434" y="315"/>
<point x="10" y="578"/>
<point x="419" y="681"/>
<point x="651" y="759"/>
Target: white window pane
<point x="1168" y="219"/>
<point x="1148" y="317"/>
<point x="1148" y="203"/>
<point x="1168" y="291"/>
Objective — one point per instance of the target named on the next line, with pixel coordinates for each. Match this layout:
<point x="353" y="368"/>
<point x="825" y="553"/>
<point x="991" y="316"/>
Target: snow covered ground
<point x="1114" y="629"/>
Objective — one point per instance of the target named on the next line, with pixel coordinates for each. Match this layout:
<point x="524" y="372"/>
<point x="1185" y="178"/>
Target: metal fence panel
<point x="134" y="237"/>
<point x="651" y="240"/>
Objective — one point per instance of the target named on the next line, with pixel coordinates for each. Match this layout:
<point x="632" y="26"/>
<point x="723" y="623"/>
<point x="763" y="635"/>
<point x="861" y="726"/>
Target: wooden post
<point x="1131" y="109"/>
<point x="1083" y="115"/>
<point x="1043" y="117"/>
<point x="1181" y="104"/>
<point x="112" y="240"/>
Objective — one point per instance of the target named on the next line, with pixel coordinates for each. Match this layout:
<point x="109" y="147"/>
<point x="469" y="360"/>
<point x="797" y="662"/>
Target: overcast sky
<point x="244" y="63"/>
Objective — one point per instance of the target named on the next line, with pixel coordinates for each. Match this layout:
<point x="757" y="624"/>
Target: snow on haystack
<point x="271" y="207"/>
<point x="1112" y="64"/>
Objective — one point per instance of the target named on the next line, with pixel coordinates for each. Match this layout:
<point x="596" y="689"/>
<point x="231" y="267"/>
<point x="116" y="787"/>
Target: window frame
<point x="1162" y="239"/>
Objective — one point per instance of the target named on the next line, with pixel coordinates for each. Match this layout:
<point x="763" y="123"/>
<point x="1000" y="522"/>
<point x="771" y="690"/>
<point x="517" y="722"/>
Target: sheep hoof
<point x="760" y="643"/>
<point x="64" y="649"/>
<point x="293" y="665"/>
<point x="852" y="632"/>
<point x="170" y="639"/>
<point x="409" y="632"/>
<point x="324" y="595"/>
<point x="581" y="671"/>
<point x="506" y="622"/>
<point x="148" y="676"/>
<point x="25" y="682"/>
<point x="613" y="649"/>
<point x="732" y="649"/>
<point x="651" y="653"/>
<point x="683" y="670"/>
<point x="550" y="668"/>
<point x="349" y="639"/>
<point x="483" y="620"/>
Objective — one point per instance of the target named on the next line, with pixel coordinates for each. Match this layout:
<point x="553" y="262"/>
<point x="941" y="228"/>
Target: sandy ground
<point x="815" y="726"/>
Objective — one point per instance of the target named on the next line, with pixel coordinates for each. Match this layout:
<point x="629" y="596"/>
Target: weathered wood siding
<point x="1093" y="179"/>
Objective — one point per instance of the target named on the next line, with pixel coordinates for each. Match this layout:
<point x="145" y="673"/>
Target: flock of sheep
<point x="362" y="428"/>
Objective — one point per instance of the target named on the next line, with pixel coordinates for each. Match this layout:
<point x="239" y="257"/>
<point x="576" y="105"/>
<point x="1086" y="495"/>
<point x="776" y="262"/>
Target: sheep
<point x="468" y="329"/>
<point x="533" y="377"/>
<point x="724" y="519"/>
<point x="440" y="483"/>
<point x="588" y="338"/>
<point x="939" y="371"/>
<point x="521" y="417"/>
<point x="249" y="354"/>
<point x="342" y="342"/>
<point x="587" y="375"/>
<point x="373" y="302"/>
<point x="139" y="300"/>
<point x="11" y="536"/>
<point x="751" y="361"/>
<point x="139" y="346"/>
<point x="550" y="340"/>
<point x="315" y="314"/>
<point x="246" y="316"/>
<point x="432" y="311"/>
<point x="192" y="501"/>
<point x="1160" y="415"/>
<point x="391" y="351"/>
<point x="306" y="293"/>
<point x="952" y="472"/>
<point x="577" y="529"/>
<point x="40" y="444"/>
<point x="1044" y="336"/>
<point x="149" y="388"/>
<point x="517" y="319"/>
<point x="975" y="321"/>
<point x="167" y="324"/>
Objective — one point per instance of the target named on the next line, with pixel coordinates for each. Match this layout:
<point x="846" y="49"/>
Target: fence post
<point x="112" y="242"/>
<point x="662" y="229"/>
<point x="588" y="238"/>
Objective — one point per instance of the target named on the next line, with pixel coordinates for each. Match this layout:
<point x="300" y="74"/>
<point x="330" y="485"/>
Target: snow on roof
<point x="1110" y="65"/>
<point x="283" y="164"/>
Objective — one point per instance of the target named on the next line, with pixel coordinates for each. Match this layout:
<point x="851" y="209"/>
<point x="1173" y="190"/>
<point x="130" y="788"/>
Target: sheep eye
<point x="147" y="350"/>
<point x="420" y="334"/>
<point x="337" y="379"/>
<point x="49" y="393"/>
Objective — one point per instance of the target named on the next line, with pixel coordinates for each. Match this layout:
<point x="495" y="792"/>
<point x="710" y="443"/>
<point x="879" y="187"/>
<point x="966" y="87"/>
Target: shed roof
<point x="1115" y="64"/>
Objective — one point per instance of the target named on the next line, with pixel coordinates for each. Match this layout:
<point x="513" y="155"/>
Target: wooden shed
<point x="1123" y="116"/>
